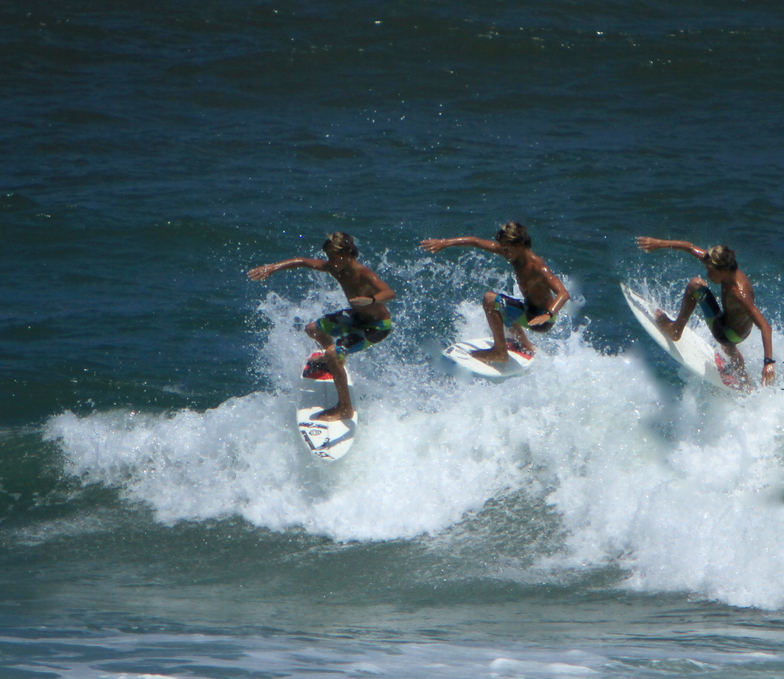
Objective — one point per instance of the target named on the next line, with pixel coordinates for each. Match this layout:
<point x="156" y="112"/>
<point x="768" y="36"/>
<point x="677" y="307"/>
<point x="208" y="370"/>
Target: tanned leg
<point x="522" y="338"/>
<point x="343" y="410"/>
<point x="674" y="329"/>
<point x="498" y="353"/>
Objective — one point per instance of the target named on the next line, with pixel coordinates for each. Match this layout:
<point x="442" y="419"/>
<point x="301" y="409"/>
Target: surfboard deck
<point x="691" y="351"/>
<point x="460" y="354"/>
<point x="327" y="441"/>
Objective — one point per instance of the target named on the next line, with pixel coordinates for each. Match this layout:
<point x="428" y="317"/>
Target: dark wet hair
<point x="721" y="258"/>
<point x="341" y="243"/>
<point x="514" y="233"/>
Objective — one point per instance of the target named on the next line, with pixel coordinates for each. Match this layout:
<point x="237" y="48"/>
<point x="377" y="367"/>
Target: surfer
<point x="730" y="326"/>
<point x="543" y="293"/>
<point x="365" y="323"/>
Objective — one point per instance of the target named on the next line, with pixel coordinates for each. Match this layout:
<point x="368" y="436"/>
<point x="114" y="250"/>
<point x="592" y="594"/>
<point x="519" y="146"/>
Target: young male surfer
<point x="543" y="293"/>
<point x="730" y="326"/>
<point x="364" y="323"/>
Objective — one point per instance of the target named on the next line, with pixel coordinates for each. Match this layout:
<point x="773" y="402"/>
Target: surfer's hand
<point x="361" y="301"/>
<point x="648" y="244"/>
<point x="262" y="272"/>
<point x="539" y="320"/>
<point x="768" y="375"/>
<point x="434" y="244"/>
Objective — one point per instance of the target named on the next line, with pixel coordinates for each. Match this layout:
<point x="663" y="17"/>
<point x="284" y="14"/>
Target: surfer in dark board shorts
<point x="364" y="323"/>
<point x="543" y="293"/>
<point x="729" y="326"/>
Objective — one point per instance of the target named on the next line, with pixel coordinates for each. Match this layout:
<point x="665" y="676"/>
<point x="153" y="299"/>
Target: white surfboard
<point x="691" y="351"/>
<point x="326" y="440"/>
<point x="460" y="353"/>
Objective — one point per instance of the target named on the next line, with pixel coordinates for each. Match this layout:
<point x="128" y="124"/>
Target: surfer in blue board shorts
<point x="543" y="293"/>
<point x="729" y="326"/>
<point x="365" y="323"/>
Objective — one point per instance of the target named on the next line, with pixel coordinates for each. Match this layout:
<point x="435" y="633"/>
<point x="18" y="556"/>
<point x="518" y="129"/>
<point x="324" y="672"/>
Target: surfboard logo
<point x="312" y="438"/>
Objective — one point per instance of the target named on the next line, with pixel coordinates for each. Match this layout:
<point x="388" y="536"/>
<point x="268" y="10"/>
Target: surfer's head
<point x="341" y="244"/>
<point x="721" y="258"/>
<point x="513" y="233"/>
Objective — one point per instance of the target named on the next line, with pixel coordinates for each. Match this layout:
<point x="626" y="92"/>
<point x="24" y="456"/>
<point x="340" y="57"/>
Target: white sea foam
<point x="681" y="486"/>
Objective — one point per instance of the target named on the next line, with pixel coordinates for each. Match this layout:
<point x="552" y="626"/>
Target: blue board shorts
<point x="714" y="317"/>
<point x="518" y="311"/>
<point x="353" y="332"/>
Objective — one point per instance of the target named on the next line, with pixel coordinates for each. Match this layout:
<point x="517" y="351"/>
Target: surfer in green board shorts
<point x="365" y="323"/>
<point x="730" y="326"/>
<point x="543" y="293"/>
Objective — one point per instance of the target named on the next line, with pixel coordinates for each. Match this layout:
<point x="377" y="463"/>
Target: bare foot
<point x="666" y="325"/>
<point x="334" y="414"/>
<point x="490" y="355"/>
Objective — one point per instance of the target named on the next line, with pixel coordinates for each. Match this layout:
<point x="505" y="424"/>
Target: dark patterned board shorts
<point x="517" y="311"/>
<point x="354" y="333"/>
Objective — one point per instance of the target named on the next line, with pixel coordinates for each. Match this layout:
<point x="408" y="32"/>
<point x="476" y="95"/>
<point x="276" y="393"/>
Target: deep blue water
<point x="605" y="514"/>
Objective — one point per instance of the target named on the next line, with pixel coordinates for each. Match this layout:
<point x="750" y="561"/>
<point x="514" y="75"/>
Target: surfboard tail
<point x="316" y="367"/>
<point x="516" y="347"/>
<point x="726" y="372"/>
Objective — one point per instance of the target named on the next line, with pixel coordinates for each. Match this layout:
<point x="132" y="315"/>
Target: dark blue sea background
<point x="605" y="515"/>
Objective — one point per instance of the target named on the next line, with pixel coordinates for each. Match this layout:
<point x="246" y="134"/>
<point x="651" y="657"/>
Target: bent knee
<point x="331" y="352"/>
<point x="312" y="330"/>
<point x="488" y="301"/>
<point x="696" y="283"/>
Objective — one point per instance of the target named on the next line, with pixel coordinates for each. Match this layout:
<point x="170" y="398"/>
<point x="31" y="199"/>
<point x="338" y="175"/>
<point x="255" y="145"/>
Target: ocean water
<point x="604" y="515"/>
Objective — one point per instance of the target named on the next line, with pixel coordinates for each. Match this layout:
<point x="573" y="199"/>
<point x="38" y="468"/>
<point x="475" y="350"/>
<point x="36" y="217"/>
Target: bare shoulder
<point x="537" y="261"/>
<point x="745" y="288"/>
<point x="742" y="291"/>
<point x="536" y="264"/>
<point x="360" y="273"/>
<point x="364" y="270"/>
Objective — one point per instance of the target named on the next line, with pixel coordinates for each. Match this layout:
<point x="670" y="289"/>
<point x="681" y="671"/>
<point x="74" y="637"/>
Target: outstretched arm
<point x="435" y="245"/>
<point x="651" y="244"/>
<point x="261" y="273"/>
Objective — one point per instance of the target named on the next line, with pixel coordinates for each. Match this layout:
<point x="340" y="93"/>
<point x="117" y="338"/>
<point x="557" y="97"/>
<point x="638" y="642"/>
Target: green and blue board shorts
<point x="714" y="317"/>
<point x="514" y="310"/>
<point x="353" y="332"/>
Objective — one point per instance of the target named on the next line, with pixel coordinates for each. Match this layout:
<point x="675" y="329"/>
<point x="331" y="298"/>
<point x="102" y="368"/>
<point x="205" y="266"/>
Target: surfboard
<point x="691" y="351"/>
<point x="327" y="441"/>
<point x="460" y="354"/>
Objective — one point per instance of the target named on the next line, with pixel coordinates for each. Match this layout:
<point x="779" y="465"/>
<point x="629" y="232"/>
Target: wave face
<point x="679" y="491"/>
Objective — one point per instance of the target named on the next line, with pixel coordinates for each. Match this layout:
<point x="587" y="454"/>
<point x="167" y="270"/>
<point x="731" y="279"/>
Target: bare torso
<point x="357" y="280"/>
<point x="736" y="315"/>
<point x="531" y="273"/>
